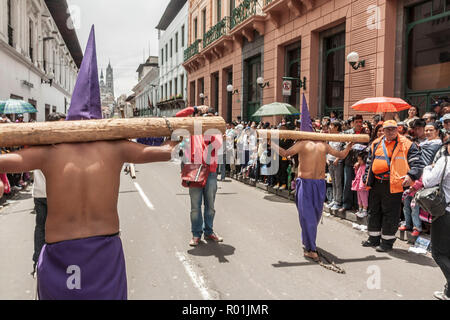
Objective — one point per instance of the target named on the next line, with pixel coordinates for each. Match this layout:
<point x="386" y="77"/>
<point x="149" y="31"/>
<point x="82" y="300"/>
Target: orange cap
<point x="390" y="124"/>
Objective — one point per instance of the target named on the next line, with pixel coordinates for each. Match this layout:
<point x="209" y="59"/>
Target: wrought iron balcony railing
<point x="242" y="12"/>
<point x="219" y="30"/>
<point x="192" y="50"/>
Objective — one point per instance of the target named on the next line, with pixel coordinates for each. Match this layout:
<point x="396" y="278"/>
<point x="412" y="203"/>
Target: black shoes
<point x="383" y="248"/>
<point x="370" y="243"/>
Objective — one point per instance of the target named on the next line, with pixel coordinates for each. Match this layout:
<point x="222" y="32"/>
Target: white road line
<point x="197" y="279"/>
<point x="143" y="196"/>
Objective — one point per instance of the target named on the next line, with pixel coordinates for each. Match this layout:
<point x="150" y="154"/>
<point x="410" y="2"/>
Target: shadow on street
<point x="413" y="258"/>
<point x="331" y="257"/>
<point x="274" y="198"/>
<point x="210" y="248"/>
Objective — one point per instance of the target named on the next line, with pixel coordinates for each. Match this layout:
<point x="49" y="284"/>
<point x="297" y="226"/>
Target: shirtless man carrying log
<point x="83" y="257"/>
<point x="82" y="228"/>
<point x="310" y="186"/>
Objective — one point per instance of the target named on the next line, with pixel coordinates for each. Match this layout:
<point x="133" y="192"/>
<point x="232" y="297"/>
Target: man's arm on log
<point x="23" y="160"/>
<point x="292" y="151"/>
<point x="138" y="153"/>
<point x="339" y="154"/>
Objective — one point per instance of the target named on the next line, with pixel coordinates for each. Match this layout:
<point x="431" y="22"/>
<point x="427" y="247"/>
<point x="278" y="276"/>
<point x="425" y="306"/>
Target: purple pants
<point x="84" y="269"/>
<point x="310" y="197"/>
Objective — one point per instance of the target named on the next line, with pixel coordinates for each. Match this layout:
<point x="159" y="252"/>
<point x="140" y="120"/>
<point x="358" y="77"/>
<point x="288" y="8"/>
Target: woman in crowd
<point x="367" y="128"/>
<point x="413" y="114"/>
<point x="440" y="235"/>
<point x="433" y="143"/>
<point x="411" y="211"/>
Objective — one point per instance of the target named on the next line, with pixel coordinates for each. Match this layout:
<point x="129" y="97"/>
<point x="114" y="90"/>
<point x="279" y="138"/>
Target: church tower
<point x="109" y="80"/>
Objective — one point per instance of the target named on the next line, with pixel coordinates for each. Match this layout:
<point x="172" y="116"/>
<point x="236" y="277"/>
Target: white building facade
<point x="39" y="58"/>
<point x="147" y="90"/>
<point x="173" y="32"/>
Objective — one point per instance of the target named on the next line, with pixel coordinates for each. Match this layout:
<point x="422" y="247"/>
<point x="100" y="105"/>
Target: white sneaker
<point x="329" y="205"/>
<point x="440" y="295"/>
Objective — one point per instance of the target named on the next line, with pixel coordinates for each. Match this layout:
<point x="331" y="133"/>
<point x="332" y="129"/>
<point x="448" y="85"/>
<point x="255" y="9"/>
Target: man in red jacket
<point x="203" y="224"/>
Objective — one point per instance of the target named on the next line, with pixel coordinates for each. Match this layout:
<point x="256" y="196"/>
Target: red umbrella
<point x="381" y="104"/>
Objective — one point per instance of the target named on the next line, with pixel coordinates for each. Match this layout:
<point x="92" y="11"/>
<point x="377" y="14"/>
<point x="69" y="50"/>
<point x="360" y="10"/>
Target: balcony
<point x="192" y="50"/>
<point x="216" y="32"/>
<point x="245" y="19"/>
<point x="244" y="11"/>
<point x="274" y="9"/>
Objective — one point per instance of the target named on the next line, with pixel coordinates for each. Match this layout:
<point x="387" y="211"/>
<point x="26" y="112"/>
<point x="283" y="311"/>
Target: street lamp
<point x="261" y="83"/>
<point x="353" y="59"/>
<point x="49" y="79"/>
<point x="231" y="90"/>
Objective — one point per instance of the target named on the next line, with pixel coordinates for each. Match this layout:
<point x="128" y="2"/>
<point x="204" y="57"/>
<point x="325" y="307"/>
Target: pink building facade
<point x="303" y="45"/>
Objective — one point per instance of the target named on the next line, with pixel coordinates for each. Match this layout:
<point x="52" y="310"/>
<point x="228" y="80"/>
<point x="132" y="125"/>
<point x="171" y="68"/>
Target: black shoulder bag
<point x="433" y="199"/>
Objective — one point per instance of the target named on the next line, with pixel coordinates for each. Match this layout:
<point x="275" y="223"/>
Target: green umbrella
<point x="276" y="109"/>
<point x="16" y="106"/>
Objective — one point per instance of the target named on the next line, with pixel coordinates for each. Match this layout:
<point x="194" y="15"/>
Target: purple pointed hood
<point x="86" y="103"/>
<point x="306" y="124"/>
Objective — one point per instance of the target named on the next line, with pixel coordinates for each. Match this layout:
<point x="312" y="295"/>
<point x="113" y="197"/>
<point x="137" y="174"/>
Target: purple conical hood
<point x="306" y="124"/>
<point x="86" y="94"/>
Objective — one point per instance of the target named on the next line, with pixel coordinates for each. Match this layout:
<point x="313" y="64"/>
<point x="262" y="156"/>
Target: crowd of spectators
<point x="248" y="156"/>
<point x="12" y="183"/>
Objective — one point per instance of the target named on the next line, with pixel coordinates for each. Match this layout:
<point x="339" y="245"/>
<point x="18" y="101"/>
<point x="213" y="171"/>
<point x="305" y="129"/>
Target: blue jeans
<point x="412" y="215"/>
<point x="203" y="223"/>
<point x="349" y="195"/>
<point x="222" y="167"/>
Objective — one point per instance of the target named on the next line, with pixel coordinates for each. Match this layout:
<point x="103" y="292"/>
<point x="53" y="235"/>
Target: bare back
<point x="82" y="190"/>
<point x="312" y="160"/>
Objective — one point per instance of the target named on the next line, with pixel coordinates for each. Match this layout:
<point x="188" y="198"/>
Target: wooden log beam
<point x="46" y="133"/>
<point x="302" y="135"/>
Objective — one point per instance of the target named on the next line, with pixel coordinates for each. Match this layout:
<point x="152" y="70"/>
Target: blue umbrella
<point x="12" y="106"/>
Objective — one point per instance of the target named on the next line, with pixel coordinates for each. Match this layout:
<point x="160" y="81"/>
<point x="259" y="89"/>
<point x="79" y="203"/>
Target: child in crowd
<point x="359" y="186"/>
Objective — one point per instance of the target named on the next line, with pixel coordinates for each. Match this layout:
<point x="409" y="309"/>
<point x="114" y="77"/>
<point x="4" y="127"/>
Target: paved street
<point x="261" y="257"/>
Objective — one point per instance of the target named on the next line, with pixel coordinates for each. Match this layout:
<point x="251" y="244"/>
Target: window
<point x="219" y="10"/>
<point x="334" y="72"/>
<point x="232" y="6"/>
<point x="253" y="71"/>
<point x="176" y="86"/>
<point x="44" y="56"/>
<point x="170" y="88"/>
<point x="182" y="85"/>
<point x="54" y="63"/>
<point x="428" y="56"/>
<point x="10" y="28"/>
<point x="162" y="56"/>
<point x="165" y="89"/>
<point x="167" y="53"/>
<point x="427" y="75"/>
<point x="176" y="42"/>
<point x="171" y="47"/>
<point x="204" y="20"/>
<point x="292" y="70"/>
<point x="182" y="36"/>
<point x="195" y="29"/>
<point x="30" y="39"/>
